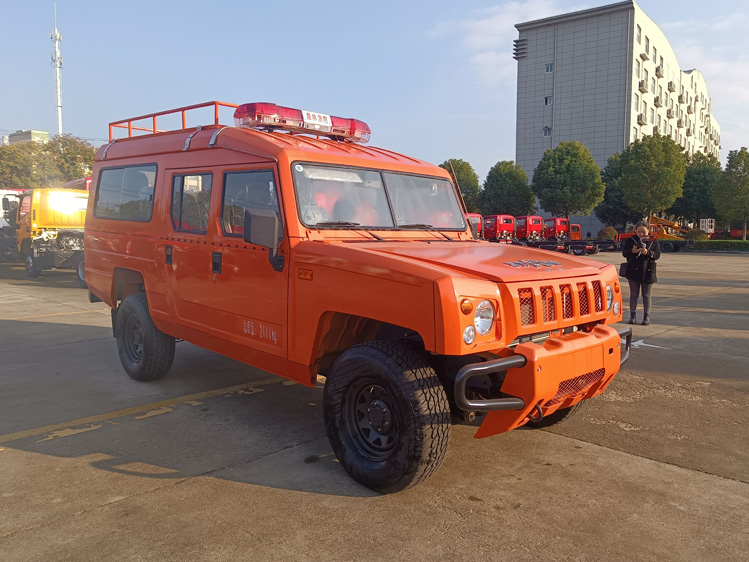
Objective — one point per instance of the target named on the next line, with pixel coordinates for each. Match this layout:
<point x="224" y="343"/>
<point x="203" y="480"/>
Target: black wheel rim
<point x="133" y="340"/>
<point x="371" y="420"/>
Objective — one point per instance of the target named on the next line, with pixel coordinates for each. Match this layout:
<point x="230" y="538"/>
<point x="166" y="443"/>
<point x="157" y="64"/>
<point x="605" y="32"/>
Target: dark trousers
<point x="635" y="288"/>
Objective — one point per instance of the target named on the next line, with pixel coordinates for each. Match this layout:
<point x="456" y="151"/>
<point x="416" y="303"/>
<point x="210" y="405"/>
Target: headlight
<point x="616" y="308"/>
<point x="469" y="334"/>
<point x="483" y="318"/>
<point x="609" y="297"/>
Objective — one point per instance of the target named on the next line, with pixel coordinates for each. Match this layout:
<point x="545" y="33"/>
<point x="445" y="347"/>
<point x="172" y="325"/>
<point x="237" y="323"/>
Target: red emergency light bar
<point x="271" y="116"/>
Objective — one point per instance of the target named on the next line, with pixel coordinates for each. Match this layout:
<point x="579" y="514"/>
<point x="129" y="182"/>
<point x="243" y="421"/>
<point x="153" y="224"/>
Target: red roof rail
<point x="130" y="126"/>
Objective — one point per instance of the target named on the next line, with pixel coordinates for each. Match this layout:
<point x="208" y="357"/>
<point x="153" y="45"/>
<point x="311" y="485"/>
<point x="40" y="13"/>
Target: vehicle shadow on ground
<point x="53" y="278"/>
<point x="210" y="416"/>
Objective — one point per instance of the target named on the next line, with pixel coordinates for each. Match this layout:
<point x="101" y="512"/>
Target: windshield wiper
<point x="420" y="226"/>
<point x="352" y="226"/>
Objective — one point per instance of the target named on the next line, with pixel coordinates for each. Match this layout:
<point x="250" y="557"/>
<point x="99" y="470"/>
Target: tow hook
<point x="537" y="407"/>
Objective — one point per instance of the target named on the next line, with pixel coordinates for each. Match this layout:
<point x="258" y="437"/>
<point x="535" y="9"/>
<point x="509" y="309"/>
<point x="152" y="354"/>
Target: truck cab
<point x="499" y="228"/>
<point x="49" y="230"/>
<point x="556" y="228"/>
<point x="287" y="243"/>
<point x="529" y="228"/>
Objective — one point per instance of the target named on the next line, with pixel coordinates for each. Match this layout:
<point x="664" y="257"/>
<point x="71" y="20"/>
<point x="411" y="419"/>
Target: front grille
<point x="527" y="310"/>
<point x="567" y="310"/>
<point x="598" y="296"/>
<point x="581" y="299"/>
<point x="582" y="295"/>
<point x="578" y="385"/>
<point x="547" y="301"/>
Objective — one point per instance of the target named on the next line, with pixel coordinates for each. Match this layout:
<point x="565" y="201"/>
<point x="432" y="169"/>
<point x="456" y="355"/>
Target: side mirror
<point x="6" y="204"/>
<point x="262" y="227"/>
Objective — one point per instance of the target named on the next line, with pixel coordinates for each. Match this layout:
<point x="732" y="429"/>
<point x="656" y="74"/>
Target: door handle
<point x="168" y="254"/>
<point x="216" y="262"/>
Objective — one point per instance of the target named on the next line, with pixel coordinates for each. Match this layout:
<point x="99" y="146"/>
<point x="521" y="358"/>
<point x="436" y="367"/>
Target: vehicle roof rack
<point x="131" y="126"/>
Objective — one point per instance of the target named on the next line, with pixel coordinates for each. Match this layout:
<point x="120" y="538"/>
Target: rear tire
<point x="667" y="246"/>
<point x="145" y="352"/>
<point x="32" y="265"/>
<point x="387" y="415"/>
<point x="557" y="417"/>
<point x="80" y="273"/>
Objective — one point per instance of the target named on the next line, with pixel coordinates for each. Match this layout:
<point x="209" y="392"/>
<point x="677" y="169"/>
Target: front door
<point x="249" y="293"/>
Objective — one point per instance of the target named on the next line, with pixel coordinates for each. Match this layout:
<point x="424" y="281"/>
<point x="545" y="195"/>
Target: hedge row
<point x="735" y="245"/>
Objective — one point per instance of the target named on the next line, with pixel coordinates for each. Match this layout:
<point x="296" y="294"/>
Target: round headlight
<point x="616" y="308"/>
<point x="609" y="297"/>
<point x="469" y="334"/>
<point x="483" y="318"/>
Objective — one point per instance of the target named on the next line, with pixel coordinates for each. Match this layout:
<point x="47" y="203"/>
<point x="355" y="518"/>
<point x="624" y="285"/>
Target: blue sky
<point x="433" y="79"/>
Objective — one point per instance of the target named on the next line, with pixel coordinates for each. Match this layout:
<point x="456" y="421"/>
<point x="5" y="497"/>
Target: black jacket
<point x="641" y="267"/>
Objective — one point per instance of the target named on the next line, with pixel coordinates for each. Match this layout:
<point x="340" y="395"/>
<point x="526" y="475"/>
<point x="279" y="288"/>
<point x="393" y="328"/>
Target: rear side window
<point x="255" y="189"/>
<point x="126" y="193"/>
<point x="191" y="202"/>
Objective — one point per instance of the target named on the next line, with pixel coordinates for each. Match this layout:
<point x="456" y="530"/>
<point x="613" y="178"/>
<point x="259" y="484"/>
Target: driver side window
<point x="253" y="189"/>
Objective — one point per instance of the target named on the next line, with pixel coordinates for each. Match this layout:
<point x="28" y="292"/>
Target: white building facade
<point x="605" y="77"/>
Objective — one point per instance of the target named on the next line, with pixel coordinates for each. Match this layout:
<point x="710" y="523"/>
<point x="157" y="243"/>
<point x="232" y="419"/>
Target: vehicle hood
<point x="501" y="263"/>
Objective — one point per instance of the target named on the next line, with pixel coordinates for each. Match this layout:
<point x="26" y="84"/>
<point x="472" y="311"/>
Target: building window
<point x="652" y="85"/>
<point x="639" y="34"/>
<point x="549" y="67"/>
<point x="652" y="113"/>
<point x="655" y="55"/>
<point x="645" y="75"/>
<point x="659" y="121"/>
<point x="637" y="68"/>
<point x="661" y="64"/>
<point x="644" y="106"/>
<point x="647" y="45"/>
<point x="634" y="133"/>
<point x="670" y="130"/>
<point x="637" y="103"/>
<point x="547" y="131"/>
<point x="548" y="100"/>
<point x="660" y="91"/>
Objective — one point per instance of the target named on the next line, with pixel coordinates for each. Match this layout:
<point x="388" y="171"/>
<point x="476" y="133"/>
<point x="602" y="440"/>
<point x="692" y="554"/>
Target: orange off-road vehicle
<point x="286" y="243"/>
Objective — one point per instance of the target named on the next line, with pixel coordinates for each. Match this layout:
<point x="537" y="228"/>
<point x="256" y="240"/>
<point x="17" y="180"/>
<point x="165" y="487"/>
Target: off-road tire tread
<point x="156" y="344"/>
<point x="428" y="401"/>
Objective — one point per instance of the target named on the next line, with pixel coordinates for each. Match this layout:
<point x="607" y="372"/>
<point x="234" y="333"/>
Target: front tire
<point x="145" y="352"/>
<point x="386" y="415"/>
<point x="80" y="273"/>
<point x="32" y="265"/>
<point x="667" y="246"/>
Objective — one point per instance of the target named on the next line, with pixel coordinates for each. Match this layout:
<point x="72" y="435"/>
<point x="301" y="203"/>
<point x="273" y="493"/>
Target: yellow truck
<point x="49" y="229"/>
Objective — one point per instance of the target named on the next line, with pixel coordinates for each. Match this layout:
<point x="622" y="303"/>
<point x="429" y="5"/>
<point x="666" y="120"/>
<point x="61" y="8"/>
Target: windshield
<point x="338" y="197"/>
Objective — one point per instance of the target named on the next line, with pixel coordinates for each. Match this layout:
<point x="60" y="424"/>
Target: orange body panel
<point x="335" y="286"/>
<point x="557" y="375"/>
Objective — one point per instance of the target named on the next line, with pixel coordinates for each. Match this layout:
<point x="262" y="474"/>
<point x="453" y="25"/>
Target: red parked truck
<point x="499" y="228"/>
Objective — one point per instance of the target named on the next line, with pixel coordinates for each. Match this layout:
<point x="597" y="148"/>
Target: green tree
<point x="74" y="157"/>
<point x="653" y="171"/>
<point x="567" y="180"/>
<point x="613" y="210"/>
<point x="27" y="165"/>
<point x="696" y="202"/>
<point x="467" y="179"/>
<point x="731" y="194"/>
<point x="506" y="191"/>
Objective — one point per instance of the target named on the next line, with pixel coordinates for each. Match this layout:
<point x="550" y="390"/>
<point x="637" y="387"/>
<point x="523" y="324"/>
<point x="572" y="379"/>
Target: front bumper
<point x="543" y="378"/>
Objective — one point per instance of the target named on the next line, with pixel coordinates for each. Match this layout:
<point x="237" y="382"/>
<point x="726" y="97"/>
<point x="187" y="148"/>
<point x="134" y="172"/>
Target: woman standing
<point x="641" y="252"/>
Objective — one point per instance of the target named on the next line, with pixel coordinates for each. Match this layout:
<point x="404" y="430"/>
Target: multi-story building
<point x="605" y="77"/>
<point x="28" y="136"/>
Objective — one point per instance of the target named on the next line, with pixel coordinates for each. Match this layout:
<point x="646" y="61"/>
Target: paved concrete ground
<point x="220" y="461"/>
